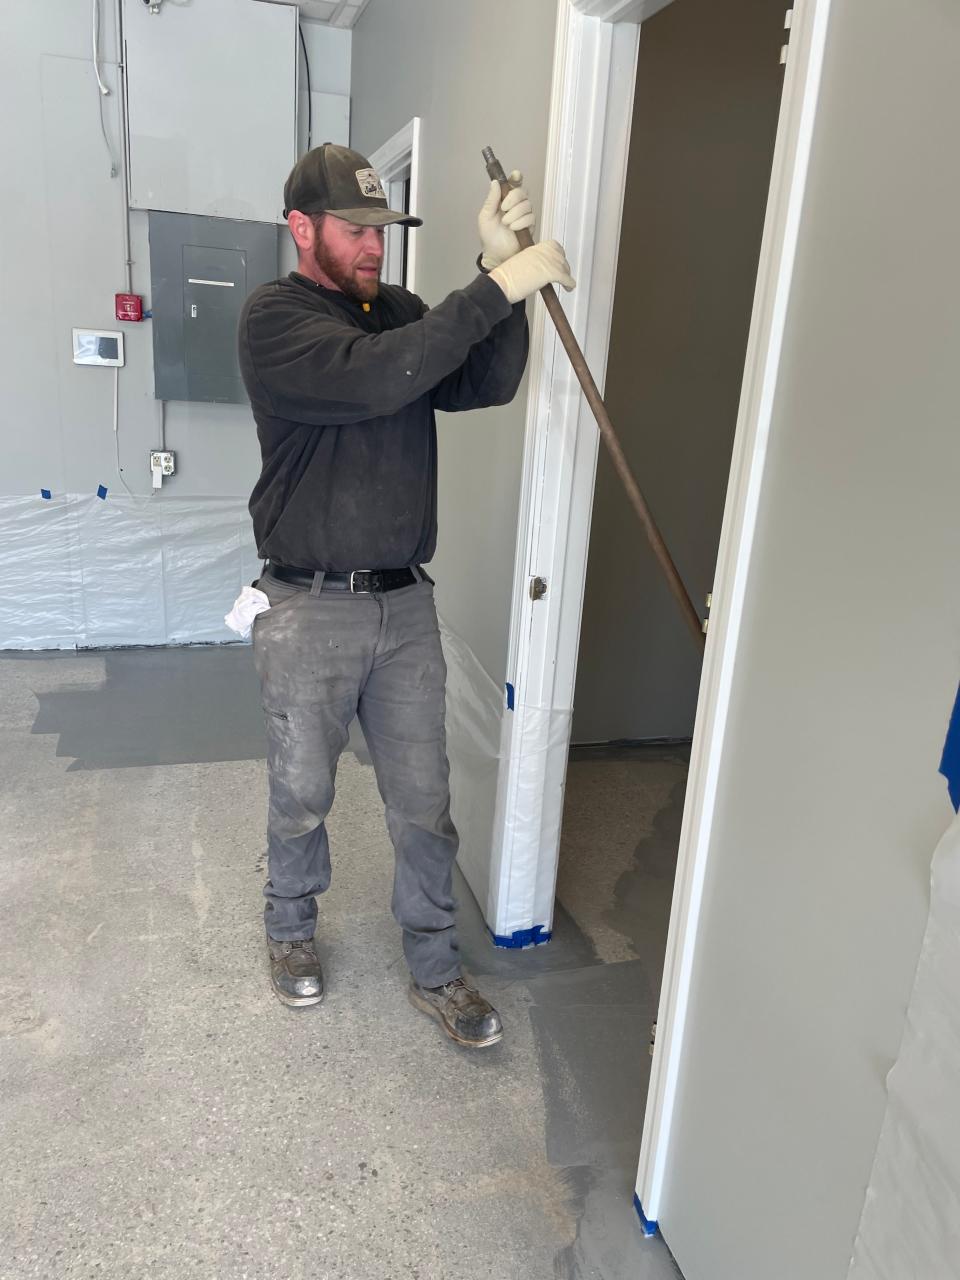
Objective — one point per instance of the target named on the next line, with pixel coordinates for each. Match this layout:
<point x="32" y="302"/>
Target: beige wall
<point x="478" y="73"/>
<point x="830" y="803"/>
<point x="705" y="114"/>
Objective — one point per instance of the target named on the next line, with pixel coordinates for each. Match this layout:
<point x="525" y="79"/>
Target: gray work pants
<point x="324" y="657"/>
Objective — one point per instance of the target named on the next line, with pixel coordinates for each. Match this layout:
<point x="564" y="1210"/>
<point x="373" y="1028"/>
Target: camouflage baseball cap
<point x="332" y="179"/>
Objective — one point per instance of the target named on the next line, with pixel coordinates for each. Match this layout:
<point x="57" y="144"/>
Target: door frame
<point x="587" y="148"/>
<point x="588" y="142"/>
<point x="398" y="160"/>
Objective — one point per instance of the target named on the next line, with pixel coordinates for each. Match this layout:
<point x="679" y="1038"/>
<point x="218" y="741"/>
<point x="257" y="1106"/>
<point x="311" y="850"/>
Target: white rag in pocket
<point x="247" y="605"/>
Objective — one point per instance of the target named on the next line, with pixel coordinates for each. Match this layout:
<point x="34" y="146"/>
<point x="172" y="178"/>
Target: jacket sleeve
<point x="315" y="368"/>
<point x="492" y="371"/>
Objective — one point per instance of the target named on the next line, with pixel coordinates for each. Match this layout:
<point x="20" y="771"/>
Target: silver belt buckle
<point x="353" y="574"/>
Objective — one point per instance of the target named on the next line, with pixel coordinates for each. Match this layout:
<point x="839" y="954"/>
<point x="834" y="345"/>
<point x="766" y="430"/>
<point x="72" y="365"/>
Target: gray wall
<point x="705" y="116"/>
<point x="62" y="262"/>
<point x="830" y="804"/>
<point x="478" y="74"/>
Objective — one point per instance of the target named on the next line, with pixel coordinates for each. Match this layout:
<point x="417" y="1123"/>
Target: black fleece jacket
<point x="344" y="401"/>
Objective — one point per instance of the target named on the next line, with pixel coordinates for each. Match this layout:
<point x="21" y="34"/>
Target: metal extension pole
<point x="610" y="439"/>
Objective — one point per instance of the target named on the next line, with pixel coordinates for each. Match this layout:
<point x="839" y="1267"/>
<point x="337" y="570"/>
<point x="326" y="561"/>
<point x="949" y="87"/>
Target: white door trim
<point x="392" y="161"/>
<point x="588" y="143"/>
<point x="798" y="110"/>
<point x="620" y="10"/>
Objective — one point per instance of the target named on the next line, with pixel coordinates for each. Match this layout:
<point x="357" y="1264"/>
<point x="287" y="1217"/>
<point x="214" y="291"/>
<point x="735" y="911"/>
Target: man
<point x="344" y="375"/>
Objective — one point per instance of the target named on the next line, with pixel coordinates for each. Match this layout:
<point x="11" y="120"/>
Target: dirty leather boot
<point x="462" y="1011"/>
<point x="295" y="971"/>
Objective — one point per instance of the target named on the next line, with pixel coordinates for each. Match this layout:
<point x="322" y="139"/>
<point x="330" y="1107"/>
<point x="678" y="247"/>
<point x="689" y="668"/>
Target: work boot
<point x="295" y="971"/>
<point x="462" y="1011"/>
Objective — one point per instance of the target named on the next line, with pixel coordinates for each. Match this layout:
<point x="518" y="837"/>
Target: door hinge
<point x="785" y="47"/>
<point x="706" y="621"/>
<point x="538" y="588"/>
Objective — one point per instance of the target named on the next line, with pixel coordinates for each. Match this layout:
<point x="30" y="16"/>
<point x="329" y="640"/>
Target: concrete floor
<point x="164" y="1116"/>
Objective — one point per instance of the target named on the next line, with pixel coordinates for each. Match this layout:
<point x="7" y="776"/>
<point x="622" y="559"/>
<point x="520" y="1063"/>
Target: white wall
<point x="830" y="803"/>
<point x="196" y="144"/>
<point x="478" y="74"/>
<point x="61" y="261"/>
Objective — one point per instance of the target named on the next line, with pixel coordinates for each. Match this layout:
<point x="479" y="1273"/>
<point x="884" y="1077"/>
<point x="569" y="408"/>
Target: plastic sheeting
<point x="534" y="748"/>
<point x="910" y="1227"/>
<point x="474" y="712"/>
<point x="507" y="770"/>
<point x="82" y="570"/>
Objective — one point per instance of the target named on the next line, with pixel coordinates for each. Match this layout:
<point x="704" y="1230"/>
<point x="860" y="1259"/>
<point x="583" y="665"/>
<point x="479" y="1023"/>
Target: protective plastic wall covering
<point x="910" y="1228"/>
<point x="474" y="711"/>
<point x="523" y="883"/>
<point x="512" y="883"/>
<point x="82" y="570"/>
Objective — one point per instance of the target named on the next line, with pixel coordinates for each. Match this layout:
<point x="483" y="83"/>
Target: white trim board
<point x="620" y="10"/>
<point x="391" y="161"/>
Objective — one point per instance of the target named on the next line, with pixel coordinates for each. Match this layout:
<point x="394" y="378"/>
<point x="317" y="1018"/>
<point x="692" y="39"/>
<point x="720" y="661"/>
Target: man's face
<point x="349" y="257"/>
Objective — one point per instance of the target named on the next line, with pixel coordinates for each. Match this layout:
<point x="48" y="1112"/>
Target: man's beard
<point x="343" y="277"/>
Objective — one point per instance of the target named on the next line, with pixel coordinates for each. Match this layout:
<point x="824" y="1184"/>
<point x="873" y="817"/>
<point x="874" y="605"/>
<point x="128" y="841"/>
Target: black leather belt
<point x="360" y="581"/>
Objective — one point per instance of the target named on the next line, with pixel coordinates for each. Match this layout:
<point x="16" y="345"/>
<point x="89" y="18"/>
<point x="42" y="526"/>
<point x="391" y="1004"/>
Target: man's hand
<point x="529" y="270"/>
<point x="500" y="220"/>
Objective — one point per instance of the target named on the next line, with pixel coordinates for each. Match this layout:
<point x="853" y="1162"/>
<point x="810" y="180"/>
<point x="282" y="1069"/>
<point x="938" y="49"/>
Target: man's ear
<point x="302" y="229"/>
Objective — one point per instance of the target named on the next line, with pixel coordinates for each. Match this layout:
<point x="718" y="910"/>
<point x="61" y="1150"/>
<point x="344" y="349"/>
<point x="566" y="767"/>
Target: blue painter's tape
<point x="950" y="761"/>
<point x="521" y="937"/>
<point x="646" y="1226"/>
<point x="510" y="696"/>
<point x="46" y="494"/>
<point x="102" y="491"/>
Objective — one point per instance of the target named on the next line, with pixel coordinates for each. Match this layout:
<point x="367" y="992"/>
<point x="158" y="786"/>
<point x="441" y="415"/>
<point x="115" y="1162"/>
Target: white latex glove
<point x="500" y="220"/>
<point x="529" y="270"/>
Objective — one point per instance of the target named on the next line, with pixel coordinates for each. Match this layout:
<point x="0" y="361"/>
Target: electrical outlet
<point x="163" y="462"/>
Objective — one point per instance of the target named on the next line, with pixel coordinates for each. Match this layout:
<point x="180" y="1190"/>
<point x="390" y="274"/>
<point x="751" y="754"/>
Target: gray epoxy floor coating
<point x="163" y="1115"/>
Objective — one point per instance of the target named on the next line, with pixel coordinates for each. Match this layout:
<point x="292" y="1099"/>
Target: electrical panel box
<point x="202" y="270"/>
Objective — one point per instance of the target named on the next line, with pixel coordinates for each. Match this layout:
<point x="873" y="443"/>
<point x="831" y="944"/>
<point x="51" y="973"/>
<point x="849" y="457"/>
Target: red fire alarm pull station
<point x="129" y="306"/>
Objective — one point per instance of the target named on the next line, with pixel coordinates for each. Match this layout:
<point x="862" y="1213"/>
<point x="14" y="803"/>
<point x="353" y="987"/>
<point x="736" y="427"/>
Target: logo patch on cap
<point x="370" y="185"/>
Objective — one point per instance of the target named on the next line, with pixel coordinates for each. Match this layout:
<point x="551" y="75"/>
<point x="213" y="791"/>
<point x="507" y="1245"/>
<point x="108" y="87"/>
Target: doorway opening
<point x="706" y="105"/>
<point x="707" y="98"/>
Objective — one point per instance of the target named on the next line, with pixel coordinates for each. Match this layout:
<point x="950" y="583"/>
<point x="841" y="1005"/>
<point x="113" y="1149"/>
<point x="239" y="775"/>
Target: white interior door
<point x="774" y="281"/>
<point x="828" y="802"/>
